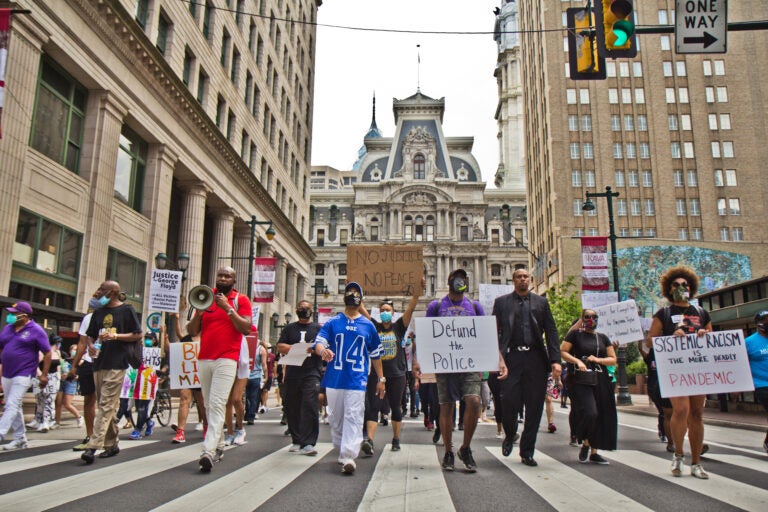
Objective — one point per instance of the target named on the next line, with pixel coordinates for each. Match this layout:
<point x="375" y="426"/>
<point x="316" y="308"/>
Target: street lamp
<point x="182" y="263"/>
<point x="276" y="326"/>
<point x="624" y="398"/>
<point x="321" y="288"/>
<point x="538" y="262"/>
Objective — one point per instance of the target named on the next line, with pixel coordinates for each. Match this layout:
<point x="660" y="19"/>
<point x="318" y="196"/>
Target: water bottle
<point x="97" y="346"/>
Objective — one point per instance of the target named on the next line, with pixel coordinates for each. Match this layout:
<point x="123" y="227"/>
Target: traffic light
<point x="615" y="29"/>
<point x="583" y="60"/>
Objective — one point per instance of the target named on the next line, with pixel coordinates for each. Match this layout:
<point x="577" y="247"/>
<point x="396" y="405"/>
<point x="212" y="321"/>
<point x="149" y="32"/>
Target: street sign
<point x="701" y="26"/>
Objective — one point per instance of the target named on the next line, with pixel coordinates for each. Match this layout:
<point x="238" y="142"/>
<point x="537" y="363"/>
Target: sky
<point x="351" y="64"/>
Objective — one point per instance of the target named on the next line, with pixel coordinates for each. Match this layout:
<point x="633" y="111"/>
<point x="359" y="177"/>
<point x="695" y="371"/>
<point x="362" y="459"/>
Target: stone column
<point x="302" y="286"/>
<point x="221" y="241"/>
<point x="191" y="229"/>
<point x="240" y="263"/>
<point x="157" y="201"/>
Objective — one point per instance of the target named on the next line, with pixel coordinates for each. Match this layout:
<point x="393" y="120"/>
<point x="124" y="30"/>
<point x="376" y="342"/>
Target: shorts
<point x="267" y="384"/>
<point x="243" y="370"/>
<point x="68" y="387"/>
<point x="761" y="395"/>
<point x="85" y="376"/>
<point x="455" y="386"/>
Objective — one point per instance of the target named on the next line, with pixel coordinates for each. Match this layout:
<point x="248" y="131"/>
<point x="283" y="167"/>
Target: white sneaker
<point x="239" y="438"/>
<point x="16" y="444"/>
<point x="43" y="428"/>
<point x="80" y="421"/>
<point x="698" y="472"/>
<point x="309" y="450"/>
<point x="54" y="426"/>
<point x="199" y="427"/>
<point x="33" y="424"/>
<point x="122" y="422"/>
<point x="349" y="467"/>
<point x="294" y="448"/>
<point x="229" y="439"/>
<point x="677" y="465"/>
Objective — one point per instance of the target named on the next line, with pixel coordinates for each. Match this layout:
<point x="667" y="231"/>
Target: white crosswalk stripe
<point x="735" y="493"/>
<point x="745" y="462"/>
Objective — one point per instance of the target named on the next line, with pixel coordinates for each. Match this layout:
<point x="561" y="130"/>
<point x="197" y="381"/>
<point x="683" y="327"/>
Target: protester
<point x="67" y="389"/>
<point x="593" y="416"/>
<point x="45" y="395"/>
<point x="680" y="318"/>
<point x="21" y="340"/>
<point x="255" y="383"/>
<point x="82" y="370"/>
<point x="235" y="434"/>
<point x="663" y="405"/>
<point x="187" y="394"/>
<point x="757" y="352"/>
<point x="271" y="379"/>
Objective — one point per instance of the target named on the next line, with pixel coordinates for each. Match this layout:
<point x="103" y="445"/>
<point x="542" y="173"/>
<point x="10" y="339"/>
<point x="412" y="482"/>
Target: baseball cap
<point x="21" y="307"/>
<point x="352" y="285"/>
<point x="458" y="271"/>
<point x="761" y="316"/>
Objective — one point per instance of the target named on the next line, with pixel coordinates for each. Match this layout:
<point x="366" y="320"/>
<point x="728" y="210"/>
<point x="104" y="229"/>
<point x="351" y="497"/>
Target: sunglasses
<point x="681" y="283"/>
<point x="590" y="317"/>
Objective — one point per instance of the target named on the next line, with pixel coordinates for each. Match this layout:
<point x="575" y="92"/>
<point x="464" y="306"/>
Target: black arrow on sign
<point x="707" y="40"/>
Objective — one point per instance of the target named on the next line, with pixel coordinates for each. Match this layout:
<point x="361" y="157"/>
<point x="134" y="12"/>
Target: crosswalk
<point x="410" y="479"/>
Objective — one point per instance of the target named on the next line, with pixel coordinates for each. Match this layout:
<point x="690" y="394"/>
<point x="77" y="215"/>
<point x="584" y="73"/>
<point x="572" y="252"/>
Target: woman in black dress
<point x="593" y="406"/>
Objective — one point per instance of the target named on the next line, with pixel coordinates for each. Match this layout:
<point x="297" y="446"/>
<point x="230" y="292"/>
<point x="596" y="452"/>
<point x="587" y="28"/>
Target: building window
<point x="737" y="234"/>
<point x="163" y="31"/>
<point x="722" y="95"/>
<point x="588" y="151"/>
<point x="634" y="207"/>
<point x="634" y="179"/>
<point x="202" y="83"/>
<point x="680" y="67"/>
<point x="619" y="178"/>
<point x="645" y="150"/>
<point x="688" y="149"/>
<point x="419" y="167"/>
<point x="577" y="204"/>
<point x="637" y="69"/>
<point x="374" y="233"/>
<point x="613" y="96"/>
<point x="685" y="122"/>
<point x="709" y="94"/>
<point x="674" y="149"/>
<point x="665" y="43"/>
<point x="584" y="96"/>
<point x="623" y="232"/>
<point x="650" y="232"/>
<point x="666" y="68"/>
<point x="734" y="207"/>
<point x="574" y="150"/>
<point x="321" y="238"/>
<point x="629" y="123"/>
<point x="570" y="96"/>
<point x="730" y="177"/>
<point x="589" y="178"/>
<point x="617" y="150"/>
<point x="343" y="237"/>
<point x="573" y="123"/>
<point x="706" y="67"/>
<point x="721" y="209"/>
<point x="319" y="269"/>
<point x="615" y="123"/>
<point x="678" y="178"/>
<point x="631" y="150"/>
<point x="647" y="179"/>
<point x="586" y="123"/>
<point x="682" y="234"/>
<point x="59" y="117"/>
<point x="694" y="206"/>
<point x="724" y="234"/>
<point x="725" y="121"/>
<point x="680" y="207"/>
<point x="142" y="9"/>
<point x="129" y="272"/>
<point x="719" y="67"/>
<point x="46" y="246"/>
<point x="693" y="180"/>
<point x="695" y="233"/>
<point x="578" y="232"/>
<point x="342" y="268"/>
<point x="621" y="207"/>
<point x="715" y="149"/>
<point x="130" y="169"/>
<point x="626" y="96"/>
<point x="594" y="232"/>
<point x="575" y="178"/>
<point x="727" y="149"/>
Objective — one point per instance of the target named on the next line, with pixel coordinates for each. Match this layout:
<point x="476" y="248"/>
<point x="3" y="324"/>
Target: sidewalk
<point x="756" y="421"/>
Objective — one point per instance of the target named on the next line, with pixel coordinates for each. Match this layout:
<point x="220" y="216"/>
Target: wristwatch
<point x="382" y="379"/>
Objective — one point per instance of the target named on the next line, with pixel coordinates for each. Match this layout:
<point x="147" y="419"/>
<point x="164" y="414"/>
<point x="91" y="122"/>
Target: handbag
<point x="586" y="378"/>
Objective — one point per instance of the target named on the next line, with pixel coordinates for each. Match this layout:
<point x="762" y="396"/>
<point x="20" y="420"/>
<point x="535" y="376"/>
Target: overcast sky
<point x="352" y="64"/>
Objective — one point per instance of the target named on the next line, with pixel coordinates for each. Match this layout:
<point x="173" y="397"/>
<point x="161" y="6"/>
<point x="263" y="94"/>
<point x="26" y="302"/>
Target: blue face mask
<point x="10" y="318"/>
<point x="103" y="300"/>
<point x="147" y="342"/>
<point x="386" y="317"/>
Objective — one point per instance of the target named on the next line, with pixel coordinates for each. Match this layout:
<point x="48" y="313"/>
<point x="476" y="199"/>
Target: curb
<point x="707" y="421"/>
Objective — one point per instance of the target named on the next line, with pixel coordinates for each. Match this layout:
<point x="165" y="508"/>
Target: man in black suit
<point x="521" y="318"/>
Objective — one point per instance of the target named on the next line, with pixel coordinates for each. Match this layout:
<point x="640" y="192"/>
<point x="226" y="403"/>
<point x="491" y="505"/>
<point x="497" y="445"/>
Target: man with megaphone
<point x="221" y="328"/>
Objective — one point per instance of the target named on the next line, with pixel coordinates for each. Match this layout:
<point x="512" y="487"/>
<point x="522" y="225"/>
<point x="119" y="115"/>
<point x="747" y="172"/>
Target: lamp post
<point x="276" y="326"/>
<point x="182" y="263"/>
<point x="322" y="288"/>
<point x="504" y="215"/>
<point x="624" y="398"/>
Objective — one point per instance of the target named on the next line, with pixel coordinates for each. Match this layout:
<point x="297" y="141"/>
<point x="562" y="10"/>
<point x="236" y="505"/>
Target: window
<point x="202" y="85"/>
<point x="321" y="238"/>
<point x="685" y="122"/>
<point x="647" y="178"/>
<point x="59" y="117"/>
<point x="637" y="69"/>
<point x="343" y="237"/>
<point x="634" y="179"/>
<point x="682" y="234"/>
<point x="573" y="123"/>
<point x="730" y="177"/>
<point x="706" y="67"/>
<point x="694" y="206"/>
<point x="621" y="207"/>
<point x="722" y="95"/>
<point x="725" y="121"/>
<point x="589" y="178"/>
<point x="593" y="232"/>
<point x="577" y="204"/>
<point x="619" y="178"/>
<point x="680" y="67"/>
<point x="374" y="233"/>
<point x="575" y="178"/>
<point x="235" y="69"/>
<point x="669" y="94"/>
<point x="715" y="149"/>
<point x="319" y="269"/>
<point x="142" y="8"/>
<point x="712" y="120"/>
<point x="719" y="67"/>
<point x="419" y="164"/>
<point x="634" y="207"/>
<point x="719" y="178"/>
<point x="588" y="152"/>
<point x="189" y="60"/>
<point x="688" y="149"/>
<point x="46" y="246"/>
<point x="220" y="108"/>
<point x="724" y="234"/>
<point x="578" y="232"/>
<point x="342" y="268"/>
<point x="734" y="207"/>
<point x="623" y="69"/>
<point x="631" y="150"/>
<point x="693" y="180"/>
<point x="650" y="232"/>
<point x="666" y="68"/>
<point x="129" y="272"/>
<point x="617" y="150"/>
<point x="570" y="96"/>
<point x="682" y="94"/>
<point x="645" y="150"/>
<point x="695" y="233"/>
<point x="629" y="123"/>
<point x="642" y="123"/>
<point x="207" y="19"/>
<point x="130" y="169"/>
<point x="610" y="69"/>
<point x="662" y="17"/>
<point x="615" y="123"/>
<point x="721" y="210"/>
<point x="575" y="150"/>
<point x="678" y="178"/>
<point x="674" y="149"/>
<point x="709" y="94"/>
<point x="163" y="31"/>
<point x="637" y="232"/>
<point x="225" y="42"/>
<point x="665" y="43"/>
<point x="626" y="96"/>
<point x="737" y="234"/>
<point x="672" y="122"/>
<point x="586" y="123"/>
<point x="727" y="149"/>
<point x="613" y="96"/>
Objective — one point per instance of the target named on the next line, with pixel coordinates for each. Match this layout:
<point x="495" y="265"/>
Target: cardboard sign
<point x="457" y="344"/>
<point x="389" y="270"/>
<point x="182" y="365"/>
<point x="490" y="292"/>
<point x="715" y="363"/>
<point x="164" y="290"/>
<point x="620" y="322"/>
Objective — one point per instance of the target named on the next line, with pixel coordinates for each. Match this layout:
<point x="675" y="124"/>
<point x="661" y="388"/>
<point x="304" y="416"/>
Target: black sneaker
<point x="436" y="436"/>
<point x="367" y="447"/>
<point x="395" y="445"/>
<point x="88" y="455"/>
<point x="583" y="453"/>
<point x="219" y="455"/>
<point x="573" y="441"/>
<point x="206" y="463"/>
<point x="597" y="459"/>
<point x="448" y="461"/>
<point x="465" y="454"/>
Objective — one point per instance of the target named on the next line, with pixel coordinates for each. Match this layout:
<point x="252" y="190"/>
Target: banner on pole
<point x="5" y="34"/>
<point x="264" y="279"/>
<point x="594" y="263"/>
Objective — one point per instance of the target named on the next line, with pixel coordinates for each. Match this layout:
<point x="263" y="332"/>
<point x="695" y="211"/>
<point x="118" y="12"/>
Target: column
<point x="240" y="262"/>
<point x="158" y="185"/>
<point x="302" y="285"/>
<point x="292" y="297"/>
<point x="221" y="242"/>
<point x="191" y="229"/>
<point x="476" y="271"/>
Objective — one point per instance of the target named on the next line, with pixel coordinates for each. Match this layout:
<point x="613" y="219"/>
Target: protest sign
<point x="620" y="322"/>
<point x="164" y="290"/>
<point x="457" y="344"/>
<point x="490" y="292"/>
<point x="712" y="364"/>
<point x="594" y="300"/>
<point x="324" y="314"/>
<point x="386" y="269"/>
<point x="182" y="365"/>
<point x="129" y="380"/>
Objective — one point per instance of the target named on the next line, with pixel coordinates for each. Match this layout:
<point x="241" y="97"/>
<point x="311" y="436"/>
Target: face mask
<point x="103" y="300"/>
<point x="353" y="298"/>
<point x="304" y="313"/>
<point x="10" y="318"/>
<point x="223" y="289"/>
<point x="386" y="317"/>
<point x="458" y="285"/>
<point x="147" y="342"/>
<point x="589" y="323"/>
<point x="680" y="294"/>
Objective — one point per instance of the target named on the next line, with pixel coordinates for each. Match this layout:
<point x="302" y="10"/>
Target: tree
<point x="565" y="305"/>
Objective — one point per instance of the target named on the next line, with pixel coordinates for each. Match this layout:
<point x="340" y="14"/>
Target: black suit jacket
<point x="542" y="323"/>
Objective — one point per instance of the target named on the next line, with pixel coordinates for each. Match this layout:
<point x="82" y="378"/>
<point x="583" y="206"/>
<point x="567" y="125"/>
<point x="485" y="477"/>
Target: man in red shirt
<point x="221" y="328"/>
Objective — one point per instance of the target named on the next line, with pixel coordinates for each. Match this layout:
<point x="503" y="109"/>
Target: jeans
<point x="13" y="417"/>
<point x="216" y="379"/>
<point x="252" y="397"/>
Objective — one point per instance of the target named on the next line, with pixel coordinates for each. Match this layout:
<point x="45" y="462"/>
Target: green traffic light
<point x="622" y="29"/>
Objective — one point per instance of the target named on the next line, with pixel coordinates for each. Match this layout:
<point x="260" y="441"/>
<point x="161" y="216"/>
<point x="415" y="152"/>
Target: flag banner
<point x="5" y="34"/>
<point x="264" y="279"/>
<point x="594" y="263"/>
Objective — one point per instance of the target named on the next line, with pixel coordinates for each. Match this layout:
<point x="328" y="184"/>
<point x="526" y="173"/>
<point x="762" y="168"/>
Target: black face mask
<point x="224" y="289"/>
<point x="458" y="285"/>
<point x="304" y="313"/>
<point x="353" y="298"/>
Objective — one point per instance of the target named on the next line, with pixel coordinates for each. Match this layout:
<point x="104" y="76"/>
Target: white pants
<point x="346" y="410"/>
<point x="13" y="417"/>
<point x="216" y="379"/>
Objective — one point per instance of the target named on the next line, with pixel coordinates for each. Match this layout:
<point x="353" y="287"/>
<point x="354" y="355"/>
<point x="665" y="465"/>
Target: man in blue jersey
<point x="347" y="343"/>
<point x="757" y="351"/>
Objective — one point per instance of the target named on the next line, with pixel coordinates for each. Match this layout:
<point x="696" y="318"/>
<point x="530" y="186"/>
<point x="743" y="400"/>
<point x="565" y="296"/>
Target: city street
<point x="153" y="474"/>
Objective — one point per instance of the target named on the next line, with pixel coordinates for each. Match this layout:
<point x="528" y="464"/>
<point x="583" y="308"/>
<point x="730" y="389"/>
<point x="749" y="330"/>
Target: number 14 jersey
<point x="354" y="343"/>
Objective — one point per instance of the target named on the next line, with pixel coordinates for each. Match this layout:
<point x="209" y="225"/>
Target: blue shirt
<point x="757" y="351"/>
<point x="354" y="343"/>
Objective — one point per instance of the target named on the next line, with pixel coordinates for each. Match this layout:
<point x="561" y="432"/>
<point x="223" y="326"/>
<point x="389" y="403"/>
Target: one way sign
<point x="701" y="26"/>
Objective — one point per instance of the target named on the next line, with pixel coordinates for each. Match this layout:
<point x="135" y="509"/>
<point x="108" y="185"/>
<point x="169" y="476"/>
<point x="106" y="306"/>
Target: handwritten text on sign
<point x="182" y="365"/>
<point x="457" y="344"/>
<point x="386" y="269"/>
<point x="715" y="363"/>
<point x="620" y="322"/>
